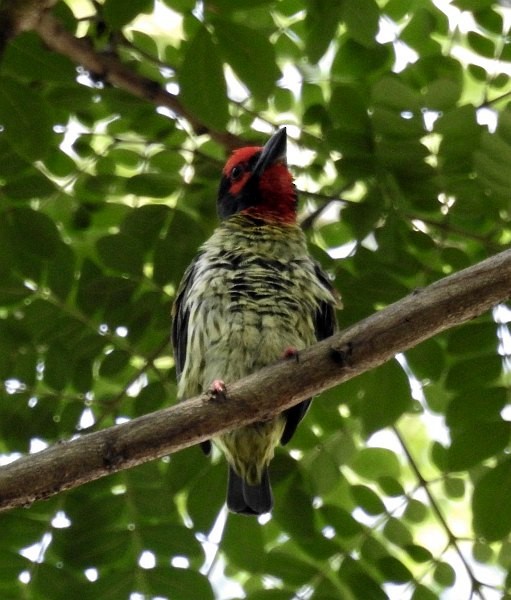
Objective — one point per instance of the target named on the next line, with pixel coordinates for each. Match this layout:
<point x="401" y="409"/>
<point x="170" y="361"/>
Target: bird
<point x="252" y="295"/>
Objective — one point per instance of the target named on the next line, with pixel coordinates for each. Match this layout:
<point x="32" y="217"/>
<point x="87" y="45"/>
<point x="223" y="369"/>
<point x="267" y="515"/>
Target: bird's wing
<point x="179" y="334"/>
<point x="324" y="325"/>
<point x="180" y="317"/>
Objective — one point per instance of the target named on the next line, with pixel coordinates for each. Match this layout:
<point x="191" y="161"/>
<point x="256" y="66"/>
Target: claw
<point x="217" y="388"/>
<point x="291" y="352"/>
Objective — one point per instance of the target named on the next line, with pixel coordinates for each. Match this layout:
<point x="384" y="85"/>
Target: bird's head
<point x="256" y="182"/>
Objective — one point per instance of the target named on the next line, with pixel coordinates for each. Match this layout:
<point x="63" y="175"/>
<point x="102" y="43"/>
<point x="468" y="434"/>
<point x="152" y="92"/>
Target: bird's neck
<point x="284" y="213"/>
<point x="260" y="236"/>
<point x="251" y="220"/>
<point x="278" y="198"/>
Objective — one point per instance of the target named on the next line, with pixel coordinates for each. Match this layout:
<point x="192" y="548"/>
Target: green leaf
<point x="444" y="574"/>
<point x="465" y="374"/>
<point x="418" y="32"/>
<point x="246" y="49"/>
<point x="353" y="61"/>
<point x="324" y="472"/>
<point x="418" y="553"/>
<point x="397" y="532"/>
<point x="228" y="6"/>
<point x="475" y="442"/>
<point x="61" y="271"/>
<point x="321" y="21"/>
<point x="481" y="44"/>
<point x="361" y="585"/>
<point x="145" y="223"/>
<point x="362" y="20"/>
<point x="26" y="119"/>
<point x="348" y="109"/>
<point x="179" y="584"/>
<point x="151" y="398"/>
<point x="269" y="595"/>
<point x="475" y="405"/>
<point x="394" y="570"/>
<point x="472" y="4"/>
<point x="341" y="520"/>
<point x="152" y="185"/>
<point x="57" y="367"/>
<point x="113" y="363"/>
<point x="288" y="567"/>
<point x="385" y="396"/>
<point x="180" y="5"/>
<point x="29" y="186"/>
<point x="26" y="57"/>
<point x="490" y="503"/>
<point x="114" y="583"/>
<point x="390" y="486"/>
<point x="454" y="487"/>
<point x="415" y="511"/>
<point x="372" y="463"/>
<point x="211" y="481"/>
<point x="368" y="500"/>
<point x="122" y="253"/>
<point x="239" y="533"/>
<point x="294" y="512"/>
<point x="59" y="163"/>
<point x="202" y="82"/>
<point x="490" y="19"/>
<point x="166" y="537"/>
<point x="170" y="259"/>
<point x="427" y="359"/>
<point x="49" y="581"/>
<point x="118" y="13"/>
<point x="34" y="233"/>
<point x="482" y="552"/>
<point x="421" y="592"/>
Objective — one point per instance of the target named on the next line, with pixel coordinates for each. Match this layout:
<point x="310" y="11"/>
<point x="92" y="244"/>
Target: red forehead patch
<point x="241" y="155"/>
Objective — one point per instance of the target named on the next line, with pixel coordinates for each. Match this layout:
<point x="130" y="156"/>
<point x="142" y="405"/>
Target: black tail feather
<point x="249" y="499"/>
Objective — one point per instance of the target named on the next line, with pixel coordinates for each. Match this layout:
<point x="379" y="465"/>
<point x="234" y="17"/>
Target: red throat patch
<point x="278" y="194"/>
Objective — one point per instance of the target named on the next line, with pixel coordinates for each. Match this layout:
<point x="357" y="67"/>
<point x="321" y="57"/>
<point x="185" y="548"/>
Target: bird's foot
<point x="291" y="352"/>
<point x="217" y="389"/>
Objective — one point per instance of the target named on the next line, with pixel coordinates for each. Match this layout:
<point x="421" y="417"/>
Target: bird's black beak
<point x="273" y="151"/>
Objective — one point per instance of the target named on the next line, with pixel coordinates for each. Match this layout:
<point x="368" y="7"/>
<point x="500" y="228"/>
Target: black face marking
<point x="230" y="203"/>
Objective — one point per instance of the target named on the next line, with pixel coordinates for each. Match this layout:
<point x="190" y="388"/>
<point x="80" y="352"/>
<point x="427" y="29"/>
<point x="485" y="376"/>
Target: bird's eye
<point x="236" y="173"/>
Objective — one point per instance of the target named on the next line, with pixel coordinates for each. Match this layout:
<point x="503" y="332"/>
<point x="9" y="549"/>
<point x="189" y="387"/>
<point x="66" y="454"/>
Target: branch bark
<point x="19" y="15"/>
<point x="361" y="347"/>
<point x="110" y="69"/>
<point x="24" y="15"/>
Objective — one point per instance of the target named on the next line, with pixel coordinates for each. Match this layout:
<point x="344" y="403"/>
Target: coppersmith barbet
<point x="251" y="294"/>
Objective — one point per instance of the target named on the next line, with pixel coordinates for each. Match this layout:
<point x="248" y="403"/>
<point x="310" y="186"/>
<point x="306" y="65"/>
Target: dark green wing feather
<point x="179" y="334"/>
<point x="324" y="325"/>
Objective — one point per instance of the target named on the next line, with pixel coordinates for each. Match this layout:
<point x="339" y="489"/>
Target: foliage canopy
<point x="398" y="483"/>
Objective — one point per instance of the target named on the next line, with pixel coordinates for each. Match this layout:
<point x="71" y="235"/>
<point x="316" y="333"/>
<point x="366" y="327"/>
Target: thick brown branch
<point x="359" y="348"/>
<point x="110" y="69"/>
<point x="19" y="15"/>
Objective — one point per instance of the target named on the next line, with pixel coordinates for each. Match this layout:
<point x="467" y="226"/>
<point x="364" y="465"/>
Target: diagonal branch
<point x="23" y="15"/>
<point x="110" y="69"/>
<point x="361" y="347"/>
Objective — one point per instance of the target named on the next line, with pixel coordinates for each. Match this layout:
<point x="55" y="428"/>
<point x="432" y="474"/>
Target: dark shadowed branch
<point x="23" y="15"/>
<point x="361" y="347"/>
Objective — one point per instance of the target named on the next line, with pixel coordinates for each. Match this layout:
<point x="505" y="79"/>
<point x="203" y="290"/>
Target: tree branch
<point x="19" y="15"/>
<point x="361" y="347"/>
<point x="110" y="69"/>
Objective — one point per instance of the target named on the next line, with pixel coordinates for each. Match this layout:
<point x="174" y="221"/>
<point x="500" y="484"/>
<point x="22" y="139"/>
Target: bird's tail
<point x="249" y="499"/>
